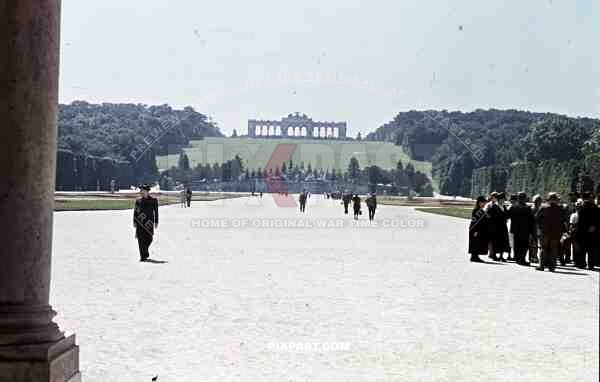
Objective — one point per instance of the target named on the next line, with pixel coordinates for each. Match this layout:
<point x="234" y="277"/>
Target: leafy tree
<point x="183" y="162"/>
<point x="555" y="138"/>
<point x="353" y="168"/>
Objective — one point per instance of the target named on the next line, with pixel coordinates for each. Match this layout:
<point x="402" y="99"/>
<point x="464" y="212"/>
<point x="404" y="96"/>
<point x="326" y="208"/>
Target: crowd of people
<point x="547" y="233"/>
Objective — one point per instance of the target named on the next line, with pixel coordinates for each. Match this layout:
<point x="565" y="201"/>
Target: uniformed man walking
<point x="371" y="205"/>
<point x="356" y="206"/>
<point x="145" y="219"/>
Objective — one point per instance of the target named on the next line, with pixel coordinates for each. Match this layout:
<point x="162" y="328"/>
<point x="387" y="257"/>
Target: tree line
<point x="495" y="138"/>
<point x="403" y="179"/>
<point x="92" y="135"/>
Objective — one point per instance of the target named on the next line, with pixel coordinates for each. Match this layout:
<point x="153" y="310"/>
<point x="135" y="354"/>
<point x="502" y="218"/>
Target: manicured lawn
<point x="457" y="212"/>
<point x="92" y="204"/>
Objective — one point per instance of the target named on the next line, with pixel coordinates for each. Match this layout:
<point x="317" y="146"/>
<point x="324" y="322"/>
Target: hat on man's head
<point x="537" y="198"/>
<point x="553" y="196"/>
<point x="481" y="199"/>
<point x="495" y="195"/>
<point x="145" y="187"/>
<point x="522" y="196"/>
<point x="513" y="197"/>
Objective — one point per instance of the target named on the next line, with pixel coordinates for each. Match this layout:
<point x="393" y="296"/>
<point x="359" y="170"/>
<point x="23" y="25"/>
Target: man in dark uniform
<point x="145" y="219"/>
<point x="550" y="220"/>
<point x="302" y="199"/>
<point x="589" y="227"/>
<point x="522" y="226"/>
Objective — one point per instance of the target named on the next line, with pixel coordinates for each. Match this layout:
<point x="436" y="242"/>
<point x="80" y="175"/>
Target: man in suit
<point x="522" y="226"/>
<point x="551" y="222"/>
<point x="145" y="219"/>
<point x="589" y="226"/>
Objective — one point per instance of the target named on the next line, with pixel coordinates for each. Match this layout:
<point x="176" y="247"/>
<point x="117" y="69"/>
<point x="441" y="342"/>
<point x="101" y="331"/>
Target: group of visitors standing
<point x="548" y="230"/>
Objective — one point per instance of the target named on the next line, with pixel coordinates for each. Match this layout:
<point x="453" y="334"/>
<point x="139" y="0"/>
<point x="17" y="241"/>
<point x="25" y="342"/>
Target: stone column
<point x="32" y="347"/>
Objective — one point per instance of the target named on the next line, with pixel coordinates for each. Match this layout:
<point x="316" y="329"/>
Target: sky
<point x="235" y="60"/>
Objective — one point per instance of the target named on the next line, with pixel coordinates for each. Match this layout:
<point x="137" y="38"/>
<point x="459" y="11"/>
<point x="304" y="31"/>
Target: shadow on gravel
<point x="492" y="263"/>
<point x="570" y="273"/>
<point x="155" y="261"/>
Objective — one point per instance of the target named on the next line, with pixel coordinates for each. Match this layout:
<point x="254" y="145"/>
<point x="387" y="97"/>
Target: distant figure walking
<point x="346" y="199"/>
<point x="182" y="198"/>
<point x="356" y="206"/>
<point x="188" y="197"/>
<point x="371" y="205"/>
<point x="261" y="194"/>
<point x="145" y="219"/>
<point x="302" y="200"/>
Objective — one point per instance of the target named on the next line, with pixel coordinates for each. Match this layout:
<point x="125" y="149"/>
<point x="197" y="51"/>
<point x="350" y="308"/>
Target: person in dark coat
<point x="522" y="227"/>
<point x="535" y="243"/>
<point x="576" y="236"/>
<point x="550" y="220"/>
<point x="589" y="226"/>
<point x="497" y="235"/>
<point x="356" y="206"/>
<point x="346" y="199"/>
<point x="145" y="220"/>
<point x="302" y="200"/>
<point x="371" y="205"/>
<point x="477" y="231"/>
<point x="188" y="197"/>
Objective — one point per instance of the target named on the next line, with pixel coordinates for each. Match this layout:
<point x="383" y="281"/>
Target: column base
<point x="48" y="362"/>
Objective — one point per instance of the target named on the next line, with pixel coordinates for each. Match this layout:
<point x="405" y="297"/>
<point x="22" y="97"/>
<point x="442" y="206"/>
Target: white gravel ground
<point x="406" y="301"/>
